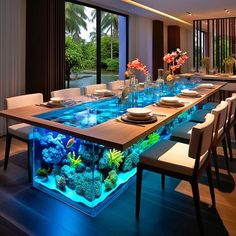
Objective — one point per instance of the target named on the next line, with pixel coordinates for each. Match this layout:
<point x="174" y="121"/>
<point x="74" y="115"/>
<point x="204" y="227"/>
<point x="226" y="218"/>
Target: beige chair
<point x="181" y="161"/>
<point x="182" y="134"/>
<point x="66" y="93"/>
<point x="114" y="85"/>
<point x="20" y="131"/>
<point x="90" y="89"/>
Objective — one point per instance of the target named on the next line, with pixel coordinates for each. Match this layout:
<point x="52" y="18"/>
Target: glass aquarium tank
<point x="84" y="174"/>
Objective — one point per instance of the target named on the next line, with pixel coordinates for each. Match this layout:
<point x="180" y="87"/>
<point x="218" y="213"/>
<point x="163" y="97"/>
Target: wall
<point x="12" y="51"/>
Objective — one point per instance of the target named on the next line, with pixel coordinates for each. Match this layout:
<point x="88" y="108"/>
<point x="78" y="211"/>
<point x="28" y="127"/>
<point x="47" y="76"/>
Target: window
<point x="96" y="45"/>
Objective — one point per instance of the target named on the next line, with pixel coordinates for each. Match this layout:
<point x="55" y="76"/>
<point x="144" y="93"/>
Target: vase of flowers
<point x="206" y="64"/>
<point x="174" y="61"/>
<point x="229" y="63"/>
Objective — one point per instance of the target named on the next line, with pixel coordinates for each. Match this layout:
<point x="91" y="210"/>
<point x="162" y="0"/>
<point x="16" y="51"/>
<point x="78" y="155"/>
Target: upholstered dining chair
<point x="182" y="134"/>
<point x="199" y="115"/>
<point x="90" y="89"/>
<point x="182" y="161"/>
<point x="66" y="93"/>
<point x="20" y="131"/>
<point x="114" y="85"/>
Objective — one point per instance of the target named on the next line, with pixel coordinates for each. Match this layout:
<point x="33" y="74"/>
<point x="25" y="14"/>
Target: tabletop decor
<point x="174" y="61"/>
<point x="206" y="64"/>
<point x="229" y="63"/>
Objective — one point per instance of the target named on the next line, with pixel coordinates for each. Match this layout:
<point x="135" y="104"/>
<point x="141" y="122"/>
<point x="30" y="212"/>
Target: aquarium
<point x="89" y="114"/>
<point x="87" y="175"/>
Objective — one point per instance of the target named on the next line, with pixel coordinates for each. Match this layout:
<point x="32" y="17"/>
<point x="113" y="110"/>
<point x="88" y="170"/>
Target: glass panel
<point x="113" y="47"/>
<point x="80" y="47"/>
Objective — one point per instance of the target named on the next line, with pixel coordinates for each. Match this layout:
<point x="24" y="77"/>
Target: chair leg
<point x="215" y="159"/>
<point x="29" y="161"/>
<point x="235" y="131"/>
<point x="210" y="182"/>
<point x="229" y="144"/>
<point x="138" y="189"/>
<point x="226" y="154"/>
<point x="163" y="181"/>
<point x="196" y="199"/>
<point x="7" y="150"/>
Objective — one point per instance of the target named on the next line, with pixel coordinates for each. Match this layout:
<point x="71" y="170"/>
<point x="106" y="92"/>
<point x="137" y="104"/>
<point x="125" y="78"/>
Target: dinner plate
<point x="56" y="100"/>
<point x="138" y="111"/>
<point x="170" y="100"/>
<point x="102" y="91"/>
<point x="168" y="105"/>
<point x="189" y="92"/>
<point x="151" y="120"/>
<point x="205" y="86"/>
<point x="131" y="117"/>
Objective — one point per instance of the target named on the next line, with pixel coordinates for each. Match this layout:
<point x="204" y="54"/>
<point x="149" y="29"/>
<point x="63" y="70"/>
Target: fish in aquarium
<point x="70" y="143"/>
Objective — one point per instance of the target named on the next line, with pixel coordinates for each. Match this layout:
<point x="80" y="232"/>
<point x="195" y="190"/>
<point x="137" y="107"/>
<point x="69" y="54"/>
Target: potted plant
<point x="229" y="63"/>
<point x="206" y="64"/>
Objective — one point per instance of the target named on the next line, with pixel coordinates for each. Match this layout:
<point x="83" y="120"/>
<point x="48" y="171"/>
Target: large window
<point x="96" y="45"/>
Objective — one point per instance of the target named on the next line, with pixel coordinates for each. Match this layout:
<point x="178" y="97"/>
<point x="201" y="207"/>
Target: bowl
<point x="205" y="85"/>
<point x="189" y="92"/>
<point x="56" y="99"/>
<point x="170" y="100"/>
<point x="139" y="111"/>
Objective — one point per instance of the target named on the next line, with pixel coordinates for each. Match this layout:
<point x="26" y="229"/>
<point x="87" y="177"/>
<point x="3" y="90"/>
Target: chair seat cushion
<point x="170" y="156"/>
<point x="210" y="105"/>
<point x="21" y="130"/>
<point x="182" y="132"/>
<point x="199" y="116"/>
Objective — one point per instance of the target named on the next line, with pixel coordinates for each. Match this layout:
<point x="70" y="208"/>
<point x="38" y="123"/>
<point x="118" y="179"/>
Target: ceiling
<point x="200" y="9"/>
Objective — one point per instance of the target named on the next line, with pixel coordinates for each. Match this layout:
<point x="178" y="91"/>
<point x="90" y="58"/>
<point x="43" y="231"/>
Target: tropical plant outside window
<point x="81" y="45"/>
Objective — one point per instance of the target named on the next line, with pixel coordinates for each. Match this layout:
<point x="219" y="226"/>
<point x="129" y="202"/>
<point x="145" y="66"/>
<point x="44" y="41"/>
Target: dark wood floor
<point x="27" y="211"/>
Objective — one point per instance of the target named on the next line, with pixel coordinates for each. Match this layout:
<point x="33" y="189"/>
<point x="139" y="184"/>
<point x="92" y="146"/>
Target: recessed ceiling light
<point x="227" y="11"/>
<point x="156" y="11"/>
<point x="189" y="13"/>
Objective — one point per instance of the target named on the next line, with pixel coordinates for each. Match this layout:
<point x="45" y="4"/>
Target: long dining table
<point x="88" y="168"/>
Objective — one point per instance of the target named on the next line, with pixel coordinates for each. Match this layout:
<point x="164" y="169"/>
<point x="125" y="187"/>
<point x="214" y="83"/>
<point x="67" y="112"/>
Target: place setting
<point x="170" y="102"/>
<point x="103" y="93"/>
<point x="205" y="86"/>
<point x="189" y="93"/>
<point x="139" y="116"/>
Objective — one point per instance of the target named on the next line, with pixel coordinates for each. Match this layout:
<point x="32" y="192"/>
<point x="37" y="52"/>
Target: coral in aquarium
<point x="130" y="161"/>
<point x="53" y="148"/>
<point x="60" y="182"/>
<point x="115" y="157"/>
<point x="110" y="181"/>
<point x="153" y="138"/>
<point x="42" y="172"/>
<point x="74" y="162"/>
<point x="69" y="174"/>
<point x="89" y="185"/>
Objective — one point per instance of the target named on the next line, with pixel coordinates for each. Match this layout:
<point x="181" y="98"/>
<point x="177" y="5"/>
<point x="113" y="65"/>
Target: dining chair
<point x="90" y="89"/>
<point x="20" y="131"/>
<point x="66" y="93"/>
<point x="199" y="115"/>
<point x="182" y="161"/>
<point x="114" y="85"/>
<point x="182" y="133"/>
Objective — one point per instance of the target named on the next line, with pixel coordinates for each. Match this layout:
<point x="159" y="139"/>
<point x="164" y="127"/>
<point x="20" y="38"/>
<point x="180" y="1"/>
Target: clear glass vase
<point x="228" y="69"/>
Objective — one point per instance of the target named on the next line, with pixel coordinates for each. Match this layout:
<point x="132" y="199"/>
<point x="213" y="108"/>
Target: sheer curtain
<point x="12" y="51"/>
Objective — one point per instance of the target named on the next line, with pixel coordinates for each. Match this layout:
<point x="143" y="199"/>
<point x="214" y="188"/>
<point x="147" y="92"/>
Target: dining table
<point x="87" y="152"/>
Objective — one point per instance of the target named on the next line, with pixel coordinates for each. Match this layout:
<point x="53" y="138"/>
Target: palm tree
<point x="75" y="18"/>
<point x="109" y="23"/>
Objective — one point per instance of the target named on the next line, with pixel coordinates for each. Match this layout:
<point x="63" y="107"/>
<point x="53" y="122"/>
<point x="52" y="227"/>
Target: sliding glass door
<point x="96" y="45"/>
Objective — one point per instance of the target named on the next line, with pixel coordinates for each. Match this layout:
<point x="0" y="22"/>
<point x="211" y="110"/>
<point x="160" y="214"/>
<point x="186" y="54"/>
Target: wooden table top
<point x="111" y="133"/>
<point x="217" y="77"/>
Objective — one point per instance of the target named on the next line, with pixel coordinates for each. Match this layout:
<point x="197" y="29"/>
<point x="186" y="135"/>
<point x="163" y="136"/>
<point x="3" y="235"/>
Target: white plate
<point x="170" y="99"/>
<point x="102" y="91"/>
<point x="139" y="111"/>
<point x="189" y="92"/>
<point x="56" y="100"/>
<point x="205" y="86"/>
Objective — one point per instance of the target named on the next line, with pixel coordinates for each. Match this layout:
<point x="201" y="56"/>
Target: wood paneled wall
<point x="173" y="37"/>
<point x="158" y="47"/>
<point x="214" y="38"/>
<point x="45" y="46"/>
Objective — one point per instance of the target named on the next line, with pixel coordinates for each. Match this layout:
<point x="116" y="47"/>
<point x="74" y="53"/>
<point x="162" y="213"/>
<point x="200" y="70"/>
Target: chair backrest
<point x="23" y="100"/>
<point x="220" y="113"/>
<point x="231" y="109"/>
<point x="66" y="93"/>
<point x="88" y="90"/>
<point x="113" y="85"/>
<point x="201" y="138"/>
